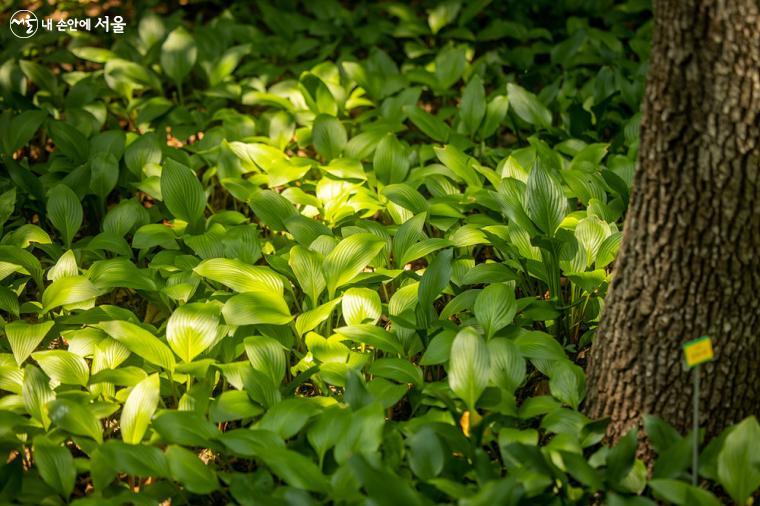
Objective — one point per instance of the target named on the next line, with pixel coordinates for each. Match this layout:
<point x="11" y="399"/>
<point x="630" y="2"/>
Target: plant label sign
<point x="698" y="351"/>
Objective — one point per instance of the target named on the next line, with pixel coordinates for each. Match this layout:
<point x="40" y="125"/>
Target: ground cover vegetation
<point x="325" y="253"/>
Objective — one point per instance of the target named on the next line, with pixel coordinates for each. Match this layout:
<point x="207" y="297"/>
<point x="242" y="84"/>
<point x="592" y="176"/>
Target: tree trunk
<point x="689" y="264"/>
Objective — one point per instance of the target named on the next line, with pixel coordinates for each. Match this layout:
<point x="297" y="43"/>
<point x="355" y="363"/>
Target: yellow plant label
<point x="698" y="351"/>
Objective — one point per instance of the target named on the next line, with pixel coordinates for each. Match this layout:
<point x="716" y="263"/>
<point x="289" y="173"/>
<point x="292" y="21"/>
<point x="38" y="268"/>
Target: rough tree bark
<point x="689" y="264"/>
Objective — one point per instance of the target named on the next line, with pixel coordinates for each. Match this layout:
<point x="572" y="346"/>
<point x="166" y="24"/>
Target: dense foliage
<point x="315" y="254"/>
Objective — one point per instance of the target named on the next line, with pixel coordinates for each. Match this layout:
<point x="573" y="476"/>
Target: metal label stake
<point x="696" y="352"/>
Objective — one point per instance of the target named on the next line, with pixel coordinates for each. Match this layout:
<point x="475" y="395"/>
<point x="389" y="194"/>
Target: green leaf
<point x="140" y="342"/>
<point x="507" y="364"/>
<point x="329" y="136"/>
<point x="348" y="259"/>
<point x="69" y="141"/>
<point x="528" y="107"/>
<point x="182" y="192"/>
<point x="739" y="462"/>
<point x="254" y="308"/>
<point x="55" y="465"/>
<point x="373" y="336"/>
<point x="567" y="383"/>
<point x="75" y="418"/>
<point x="535" y="344"/>
<point x="430" y="125"/>
<point x="361" y="305"/>
<point x="63" y="366"/>
<point x="178" y="54"/>
<point x="426" y="455"/>
<point x="495" y="308"/>
<point x="397" y="369"/>
<point x="24" y="337"/>
<point x="443" y="14"/>
<point x="68" y="291"/>
<point x="309" y="320"/>
<point x="472" y="109"/>
<point x="190" y="471"/>
<point x="267" y="356"/>
<point x="459" y="163"/>
<point x="545" y="203"/>
<point x="678" y="492"/>
<point x="239" y="276"/>
<point x="7" y="205"/>
<point x="186" y="428"/>
<point x="64" y="211"/>
<point x="40" y="75"/>
<point x="21" y="130"/>
<point x="621" y="457"/>
<point x="295" y="469"/>
<point x="104" y="173"/>
<point x="192" y="329"/>
<point x="139" y="408"/>
<point x="469" y="366"/>
<point x="36" y="393"/>
<point x="391" y="162"/>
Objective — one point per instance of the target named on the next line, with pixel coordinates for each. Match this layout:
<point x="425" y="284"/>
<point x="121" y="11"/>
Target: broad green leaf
<point x="361" y="305"/>
<point x="397" y="369"/>
<point x="7" y="205"/>
<point x="255" y="308"/>
<point x="473" y="105"/>
<point x="267" y="356"/>
<point x="55" y="465"/>
<point x="329" y="136"/>
<point x="136" y="460"/>
<point x="24" y="337"/>
<point x="138" y="409"/>
<point x="309" y="320"/>
<point x="63" y="366"/>
<point x="545" y="203"/>
<point x="140" y="342"/>
<point x="65" y="267"/>
<point x="104" y="173"/>
<point x="739" y="462"/>
<point x="620" y="458"/>
<point x="682" y="494"/>
<point x="307" y="267"/>
<point x="567" y="383"/>
<point x="239" y="276"/>
<point x="186" y="428"/>
<point x="495" y="308"/>
<point x="75" y="418"/>
<point x="272" y="208"/>
<point x="69" y="141"/>
<point x="391" y="162"/>
<point x="64" y="211"/>
<point x="430" y="125"/>
<point x="459" y="163"/>
<point x="295" y="469"/>
<point x="469" y="366"/>
<point x="178" y="54"/>
<point x="426" y="455"/>
<point x="190" y="471"/>
<point x="182" y="192"/>
<point x="36" y="393"/>
<point x="348" y="259"/>
<point x="507" y="364"/>
<point x="21" y="130"/>
<point x="535" y="344"/>
<point x="528" y="107"/>
<point x="68" y="292"/>
<point x="372" y="336"/>
<point x="192" y="328"/>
